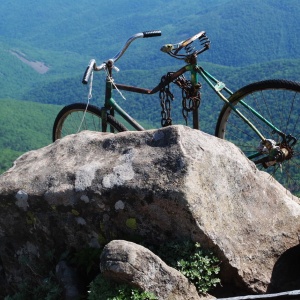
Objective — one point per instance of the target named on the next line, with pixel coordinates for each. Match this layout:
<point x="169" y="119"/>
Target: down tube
<point x="125" y="115"/>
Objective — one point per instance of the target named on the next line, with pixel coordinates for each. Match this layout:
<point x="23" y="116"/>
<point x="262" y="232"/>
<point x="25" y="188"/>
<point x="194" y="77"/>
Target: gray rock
<point x="173" y="183"/>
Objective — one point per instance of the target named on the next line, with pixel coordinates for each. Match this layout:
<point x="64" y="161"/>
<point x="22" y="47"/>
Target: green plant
<point x="200" y="266"/>
<point x="103" y="289"/>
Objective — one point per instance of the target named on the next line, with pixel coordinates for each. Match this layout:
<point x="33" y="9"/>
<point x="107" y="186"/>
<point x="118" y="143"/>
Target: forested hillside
<point x="250" y="41"/>
<point x="23" y="126"/>
<point x="65" y="36"/>
<point x="242" y="32"/>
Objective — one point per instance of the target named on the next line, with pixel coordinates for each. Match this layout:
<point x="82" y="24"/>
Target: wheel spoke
<point x="77" y="117"/>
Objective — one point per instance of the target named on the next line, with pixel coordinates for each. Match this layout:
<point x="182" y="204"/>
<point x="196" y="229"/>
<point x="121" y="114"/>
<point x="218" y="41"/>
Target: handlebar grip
<point x="88" y="71"/>
<point x="151" y="33"/>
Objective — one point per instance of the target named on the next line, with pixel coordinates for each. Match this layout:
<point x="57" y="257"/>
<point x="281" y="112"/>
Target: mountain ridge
<point x="85" y="27"/>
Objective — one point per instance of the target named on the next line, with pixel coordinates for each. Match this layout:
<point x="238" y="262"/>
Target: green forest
<point x="24" y="126"/>
<point x="250" y="41"/>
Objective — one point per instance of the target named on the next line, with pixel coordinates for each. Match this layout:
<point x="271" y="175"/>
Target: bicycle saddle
<point x="186" y="48"/>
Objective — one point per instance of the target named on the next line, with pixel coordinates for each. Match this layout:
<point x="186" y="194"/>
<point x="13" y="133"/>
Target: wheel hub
<point x="287" y="151"/>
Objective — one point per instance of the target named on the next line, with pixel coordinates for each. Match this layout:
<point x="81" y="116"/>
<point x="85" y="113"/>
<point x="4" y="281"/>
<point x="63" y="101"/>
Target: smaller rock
<point x="133" y="264"/>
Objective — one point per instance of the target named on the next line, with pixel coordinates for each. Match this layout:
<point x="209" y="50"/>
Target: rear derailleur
<point x="276" y="152"/>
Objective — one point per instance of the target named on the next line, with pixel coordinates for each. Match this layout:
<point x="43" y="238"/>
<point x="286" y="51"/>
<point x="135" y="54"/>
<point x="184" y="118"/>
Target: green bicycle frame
<point x="195" y="70"/>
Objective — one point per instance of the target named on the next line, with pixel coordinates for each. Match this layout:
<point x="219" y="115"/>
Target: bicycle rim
<point x="78" y="117"/>
<point x="279" y="102"/>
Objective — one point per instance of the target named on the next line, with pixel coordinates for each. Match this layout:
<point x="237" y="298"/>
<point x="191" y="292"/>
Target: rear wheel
<point x="76" y="117"/>
<point x="279" y="102"/>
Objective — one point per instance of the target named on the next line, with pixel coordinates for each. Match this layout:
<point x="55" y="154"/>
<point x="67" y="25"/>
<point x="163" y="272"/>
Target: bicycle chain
<point x="191" y="98"/>
<point x="166" y="97"/>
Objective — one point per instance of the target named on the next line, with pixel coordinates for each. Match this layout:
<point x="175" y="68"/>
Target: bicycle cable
<point x="89" y="97"/>
<point x="112" y="82"/>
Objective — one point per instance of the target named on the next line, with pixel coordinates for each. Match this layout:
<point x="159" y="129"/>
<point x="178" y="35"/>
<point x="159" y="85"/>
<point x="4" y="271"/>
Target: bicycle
<point x="260" y="118"/>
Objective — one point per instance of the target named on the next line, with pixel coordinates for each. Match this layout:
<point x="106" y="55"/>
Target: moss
<point x="101" y="235"/>
<point x="75" y="212"/>
<point x="131" y="223"/>
<point x="101" y="239"/>
<point x="30" y="218"/>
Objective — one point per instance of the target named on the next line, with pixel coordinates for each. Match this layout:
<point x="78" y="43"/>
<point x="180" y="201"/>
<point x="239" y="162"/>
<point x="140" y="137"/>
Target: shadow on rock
<point x="286" y="272"/>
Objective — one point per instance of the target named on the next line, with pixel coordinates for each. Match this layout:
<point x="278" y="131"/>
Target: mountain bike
<point x="261" y="118"/>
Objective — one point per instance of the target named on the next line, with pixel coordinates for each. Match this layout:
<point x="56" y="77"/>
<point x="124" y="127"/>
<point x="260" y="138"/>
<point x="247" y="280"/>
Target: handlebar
<point x="88" y="71"/>
<point x="152" y="33"/>
<point x="92" y="64"/>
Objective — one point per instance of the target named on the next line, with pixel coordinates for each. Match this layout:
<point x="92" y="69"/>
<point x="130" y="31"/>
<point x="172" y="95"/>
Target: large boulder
<point x="158" y="185"/>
